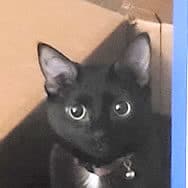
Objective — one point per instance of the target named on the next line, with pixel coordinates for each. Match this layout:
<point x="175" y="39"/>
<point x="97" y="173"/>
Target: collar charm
<point x="129" y="172"/>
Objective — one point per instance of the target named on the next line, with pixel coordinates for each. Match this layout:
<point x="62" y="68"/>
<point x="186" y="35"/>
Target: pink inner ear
<point x="51" y="87"/>
<point x="55" y="67"/>
<point x="138" y="59"/>
<point x="138" y="54"/>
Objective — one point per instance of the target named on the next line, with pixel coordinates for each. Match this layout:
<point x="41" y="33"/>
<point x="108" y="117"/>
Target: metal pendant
<point x="129" y="175"/>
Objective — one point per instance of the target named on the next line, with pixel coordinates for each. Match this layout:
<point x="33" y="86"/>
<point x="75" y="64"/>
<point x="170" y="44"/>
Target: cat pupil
<point x="77" y="112"/>
<point x="123" y="108"/>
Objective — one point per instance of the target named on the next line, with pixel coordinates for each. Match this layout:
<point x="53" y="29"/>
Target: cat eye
<point x="122" y="109"/>
<point x="77" y="112"/>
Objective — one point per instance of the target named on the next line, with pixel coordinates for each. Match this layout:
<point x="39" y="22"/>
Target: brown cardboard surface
<point x="74" y="27"/>
<point x="166" y="59"/>
<point x="139" y="13"/>
<point x="110" y="4"/>
<point x="161" y="8"/>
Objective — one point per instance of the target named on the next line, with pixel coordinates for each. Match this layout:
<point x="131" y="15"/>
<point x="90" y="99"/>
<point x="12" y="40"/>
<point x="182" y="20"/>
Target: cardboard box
<point x="83" y="31"/>
<point x="166" y="66"/>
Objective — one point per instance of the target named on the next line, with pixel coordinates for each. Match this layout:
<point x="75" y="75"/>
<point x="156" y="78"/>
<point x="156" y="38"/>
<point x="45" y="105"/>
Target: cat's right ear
<point x="57" y="69"/>
<point x="137" y="59"/>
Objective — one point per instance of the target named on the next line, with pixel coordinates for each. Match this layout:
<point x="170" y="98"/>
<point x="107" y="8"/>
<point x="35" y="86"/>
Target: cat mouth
<point x="101" y="170"/>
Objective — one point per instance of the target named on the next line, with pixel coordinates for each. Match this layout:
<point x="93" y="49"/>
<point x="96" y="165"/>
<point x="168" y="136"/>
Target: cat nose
<point x="98" y="134"/>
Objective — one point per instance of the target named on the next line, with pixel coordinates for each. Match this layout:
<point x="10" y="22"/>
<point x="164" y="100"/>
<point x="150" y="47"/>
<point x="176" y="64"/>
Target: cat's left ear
<point x="57" y="69"/>
<point x="137" y="58"/>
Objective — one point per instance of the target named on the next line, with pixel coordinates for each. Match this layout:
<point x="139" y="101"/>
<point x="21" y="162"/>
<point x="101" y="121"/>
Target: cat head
<point x="98" y="108"/>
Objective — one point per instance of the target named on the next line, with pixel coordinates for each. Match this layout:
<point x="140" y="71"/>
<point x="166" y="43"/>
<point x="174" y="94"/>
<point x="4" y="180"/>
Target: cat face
<point x="98" y="108"/>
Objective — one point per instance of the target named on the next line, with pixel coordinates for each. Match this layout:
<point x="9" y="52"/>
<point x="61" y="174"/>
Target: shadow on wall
<point x="24" y="153"/>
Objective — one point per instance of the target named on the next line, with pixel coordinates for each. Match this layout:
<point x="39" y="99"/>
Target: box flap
<point x="161" y="8"/>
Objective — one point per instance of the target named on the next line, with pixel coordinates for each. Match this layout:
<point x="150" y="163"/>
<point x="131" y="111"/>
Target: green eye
<point x="122" y="109"/>
<point x="77" y="112"/>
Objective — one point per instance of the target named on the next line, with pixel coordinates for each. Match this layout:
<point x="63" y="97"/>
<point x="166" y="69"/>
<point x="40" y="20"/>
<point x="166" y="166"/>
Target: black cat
<point x="107" y="135"/>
